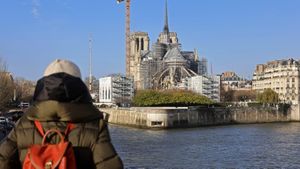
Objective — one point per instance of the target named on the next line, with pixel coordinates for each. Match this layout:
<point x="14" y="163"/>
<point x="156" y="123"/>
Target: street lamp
<point x="127" y="35"/>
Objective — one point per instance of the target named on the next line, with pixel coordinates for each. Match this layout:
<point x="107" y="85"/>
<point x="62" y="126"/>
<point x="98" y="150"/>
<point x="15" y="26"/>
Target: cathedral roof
<point x="174" y="55"/>
<point x="146" y="55"/>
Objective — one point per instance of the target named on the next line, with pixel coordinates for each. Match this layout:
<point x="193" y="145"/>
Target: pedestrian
<point x="62" y="98"/>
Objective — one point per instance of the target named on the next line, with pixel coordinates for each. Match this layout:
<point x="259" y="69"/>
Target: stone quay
<point x="195" y="116"/>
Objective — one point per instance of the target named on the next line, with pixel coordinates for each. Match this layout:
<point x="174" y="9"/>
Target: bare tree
<point x="244" y="95"/>
<point x="230" y="95"/>
<point x="6" y="86"/>
<point x="95" y="84"/>
<point x="226" y="95"/>
<point x="24" y="89"/>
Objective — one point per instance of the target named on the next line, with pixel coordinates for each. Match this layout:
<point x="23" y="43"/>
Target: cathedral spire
<point x="166" y="26"/>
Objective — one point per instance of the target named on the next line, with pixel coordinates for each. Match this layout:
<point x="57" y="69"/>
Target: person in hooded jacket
<point x="61" y="97"/>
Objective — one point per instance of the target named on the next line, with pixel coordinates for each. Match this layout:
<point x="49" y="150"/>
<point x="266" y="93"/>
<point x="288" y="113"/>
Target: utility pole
<point x="211" y="69"/>
<point x="127" y="35"/>
<point x="90" y="75"/>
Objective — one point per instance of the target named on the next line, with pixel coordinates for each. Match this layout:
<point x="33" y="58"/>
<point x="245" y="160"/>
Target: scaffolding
<point x="122" y="90"/>
<point x="116" y="89"/>
<point x="202" y="68"/>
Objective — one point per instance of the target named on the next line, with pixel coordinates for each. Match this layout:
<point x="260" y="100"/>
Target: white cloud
<point x="35" y="8"/>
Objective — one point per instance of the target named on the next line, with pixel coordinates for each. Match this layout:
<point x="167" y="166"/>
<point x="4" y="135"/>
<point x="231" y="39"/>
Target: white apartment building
<point x="282" y="76"/>
<point x="115" y="89"/>
<point x="208" y="86"/>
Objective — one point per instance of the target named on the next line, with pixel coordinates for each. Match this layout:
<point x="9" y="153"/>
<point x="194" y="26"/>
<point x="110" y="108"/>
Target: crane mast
<point x="128" y="73"/>
<point x="127" y="35"/>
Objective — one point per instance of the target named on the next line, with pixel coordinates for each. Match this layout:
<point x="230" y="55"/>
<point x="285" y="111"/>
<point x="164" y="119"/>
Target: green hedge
<point x="169" y="98"/>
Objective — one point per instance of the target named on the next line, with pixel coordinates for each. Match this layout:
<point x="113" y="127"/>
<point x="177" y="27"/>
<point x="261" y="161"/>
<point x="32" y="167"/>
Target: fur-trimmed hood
<point x="56" y="111"/>
<point x="62" y="97"/>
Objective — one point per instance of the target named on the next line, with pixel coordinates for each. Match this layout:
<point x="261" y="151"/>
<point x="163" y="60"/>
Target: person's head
<point x="62" y="82"/>
<point x="62" y="66"/>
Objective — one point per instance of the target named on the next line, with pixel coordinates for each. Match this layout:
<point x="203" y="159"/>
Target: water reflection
<point x="236" y="146"/>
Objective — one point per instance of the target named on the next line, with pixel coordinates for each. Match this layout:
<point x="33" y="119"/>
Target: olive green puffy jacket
<point x="90" y="137"/>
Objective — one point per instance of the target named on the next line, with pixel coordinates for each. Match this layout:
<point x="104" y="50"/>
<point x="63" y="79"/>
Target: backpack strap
<point x="70" y="127"/>
<point x="38" y="125"/>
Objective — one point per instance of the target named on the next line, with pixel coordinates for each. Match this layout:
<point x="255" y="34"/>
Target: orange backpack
<point x="51" y="156"/>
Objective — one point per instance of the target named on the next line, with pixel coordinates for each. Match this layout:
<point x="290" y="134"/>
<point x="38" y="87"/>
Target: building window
<point x="137" y="44"/>
<point x="142" y="44"/>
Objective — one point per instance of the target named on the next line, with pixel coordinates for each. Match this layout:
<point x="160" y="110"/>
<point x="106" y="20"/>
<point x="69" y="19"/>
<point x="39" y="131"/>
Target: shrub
<point x="169" y="98"/>
<point x="268" y="96"/>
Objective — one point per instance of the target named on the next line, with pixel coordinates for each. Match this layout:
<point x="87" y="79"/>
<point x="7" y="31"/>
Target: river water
<point x="274" y="145"/>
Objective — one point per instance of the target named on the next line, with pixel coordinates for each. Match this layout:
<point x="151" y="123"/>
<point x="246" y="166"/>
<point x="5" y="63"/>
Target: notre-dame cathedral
<point x="166" y="65"/>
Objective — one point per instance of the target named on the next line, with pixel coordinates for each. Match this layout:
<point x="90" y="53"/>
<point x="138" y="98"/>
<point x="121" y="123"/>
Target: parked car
<point x="14" y="115"/>
<point x="23" y="105"/>
<point x="3" y="119"/>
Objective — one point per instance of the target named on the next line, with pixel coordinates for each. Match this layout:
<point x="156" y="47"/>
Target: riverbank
<point x="181" y="117"/>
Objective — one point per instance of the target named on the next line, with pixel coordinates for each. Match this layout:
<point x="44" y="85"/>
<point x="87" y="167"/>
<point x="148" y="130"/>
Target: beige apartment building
<point x="282" y="76"/>
<point x="231" y="81"/>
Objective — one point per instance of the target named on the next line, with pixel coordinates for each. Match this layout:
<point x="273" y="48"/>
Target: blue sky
<point x="233" y="35"/>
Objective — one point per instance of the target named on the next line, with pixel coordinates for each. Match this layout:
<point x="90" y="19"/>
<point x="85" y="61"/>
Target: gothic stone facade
<point x="165" y="66"/>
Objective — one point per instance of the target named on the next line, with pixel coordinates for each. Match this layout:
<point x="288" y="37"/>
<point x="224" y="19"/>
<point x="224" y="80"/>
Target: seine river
<point x="235" y="146"/>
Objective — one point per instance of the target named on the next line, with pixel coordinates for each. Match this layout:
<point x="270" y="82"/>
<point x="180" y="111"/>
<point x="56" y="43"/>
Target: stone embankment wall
<point x="169" y="117"/>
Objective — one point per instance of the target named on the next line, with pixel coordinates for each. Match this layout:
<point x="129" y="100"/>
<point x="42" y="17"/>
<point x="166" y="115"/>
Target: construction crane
<point x="127" y="35"/>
